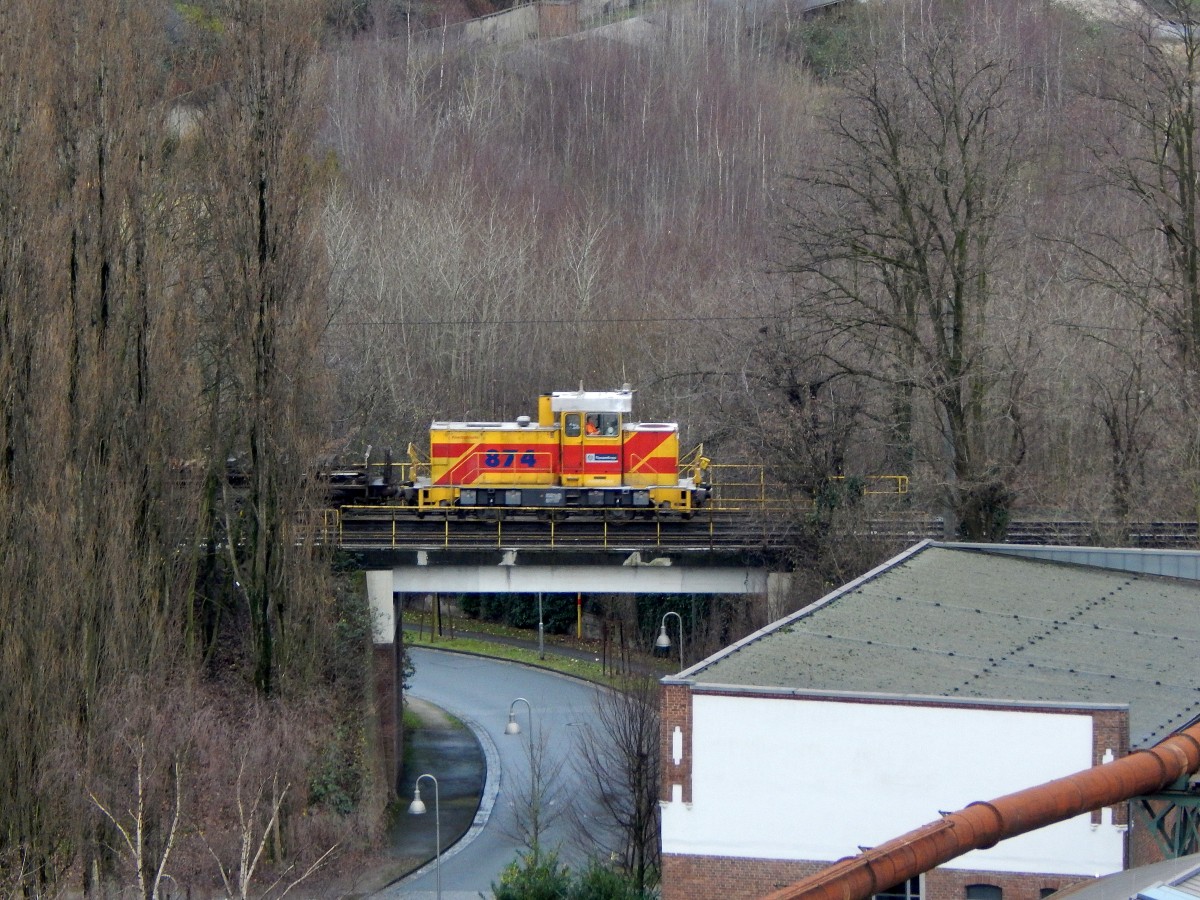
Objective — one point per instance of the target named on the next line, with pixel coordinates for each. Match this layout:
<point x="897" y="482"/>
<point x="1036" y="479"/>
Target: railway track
<point x="366" y="529"/>
<point x="1076" y="532"/>
<point x="382" y="527"/>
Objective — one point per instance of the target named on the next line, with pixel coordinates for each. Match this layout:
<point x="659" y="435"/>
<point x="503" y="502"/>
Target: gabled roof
<point x="1174" y="879"/>
<point x="994" y="623"/>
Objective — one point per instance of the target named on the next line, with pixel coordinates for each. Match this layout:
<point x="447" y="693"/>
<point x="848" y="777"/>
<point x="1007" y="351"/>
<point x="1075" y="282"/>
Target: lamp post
<point x="512" y="727"/>
<point x="417" y="808"/>
<point x="541" y="630"/>
<point x="663" y="642"/>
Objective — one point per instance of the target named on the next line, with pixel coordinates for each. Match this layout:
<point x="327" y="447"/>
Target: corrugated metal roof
<point x="965" y="623"/>
<point x="1131" y="882"/>
<point x="1188" y="884"/>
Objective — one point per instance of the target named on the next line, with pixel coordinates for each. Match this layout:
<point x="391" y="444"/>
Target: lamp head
<point x="663" y="642"/>
<point x="512" y="727"/>
<point x="417" y="807"/>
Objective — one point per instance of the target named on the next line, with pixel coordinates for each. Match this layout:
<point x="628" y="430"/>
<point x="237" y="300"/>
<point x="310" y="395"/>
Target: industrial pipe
<point x="982" y="824"/>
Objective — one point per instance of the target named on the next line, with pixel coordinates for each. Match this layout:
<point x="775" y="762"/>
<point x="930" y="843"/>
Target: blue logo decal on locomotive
<point x="602" y="457"/>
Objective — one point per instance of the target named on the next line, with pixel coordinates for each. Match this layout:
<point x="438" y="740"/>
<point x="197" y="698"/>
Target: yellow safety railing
<point x="503" y="533"/>
<point x="878" y="484"/>
<point x="753" y="487"/>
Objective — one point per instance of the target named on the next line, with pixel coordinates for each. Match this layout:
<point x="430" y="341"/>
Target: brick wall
<point x="388" y="720"/>
<point x="1110" y="732"/>
<point x="723" y="878"/>
<point x="718" y="878"/>
<point x="951" y="884"/>
<point x="675" y="712"/>
<point x="1144" y="848"/>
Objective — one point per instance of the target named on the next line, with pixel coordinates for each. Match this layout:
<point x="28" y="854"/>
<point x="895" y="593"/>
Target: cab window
<point x="572" y="425"/>
<point x="608" y="424"/>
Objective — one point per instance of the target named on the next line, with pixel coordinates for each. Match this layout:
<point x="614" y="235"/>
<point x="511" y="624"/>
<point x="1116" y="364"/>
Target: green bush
<point x="470" y="605"/>
<point x="533" y="876"/>
<point x="540" y="876"/>
<point x="521" y="610"/>
<point x="599" y="882"/>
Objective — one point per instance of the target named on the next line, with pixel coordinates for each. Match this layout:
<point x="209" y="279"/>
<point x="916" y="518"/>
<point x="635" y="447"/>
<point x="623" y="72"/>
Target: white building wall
<point x="813" y="780"/>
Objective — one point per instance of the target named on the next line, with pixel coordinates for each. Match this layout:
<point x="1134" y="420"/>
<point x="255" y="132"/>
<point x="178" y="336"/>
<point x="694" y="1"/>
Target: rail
<point x="741" y="525"/>
<point x="397" y="528"/>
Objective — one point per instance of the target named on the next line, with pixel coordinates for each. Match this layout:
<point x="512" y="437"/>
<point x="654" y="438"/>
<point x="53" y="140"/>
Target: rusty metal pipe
<point x="982" y="824"/>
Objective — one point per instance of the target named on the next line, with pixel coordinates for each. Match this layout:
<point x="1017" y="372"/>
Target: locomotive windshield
<point x="604" y="424"/>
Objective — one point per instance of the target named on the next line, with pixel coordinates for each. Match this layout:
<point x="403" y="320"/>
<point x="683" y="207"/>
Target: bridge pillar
<point x="388" y="640"/>
<point x="779" y="589"/>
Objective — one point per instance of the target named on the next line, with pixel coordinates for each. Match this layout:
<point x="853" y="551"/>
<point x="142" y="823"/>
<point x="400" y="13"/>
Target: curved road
<point x="480" y="691"/>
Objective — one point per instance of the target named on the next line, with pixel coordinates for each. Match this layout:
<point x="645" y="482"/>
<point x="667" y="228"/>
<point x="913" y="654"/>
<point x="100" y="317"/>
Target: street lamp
<point x="417" y="808"/>
<point x="541" y="630"/>
<point x="664" y="642"/>
<point x="512" y="727"/>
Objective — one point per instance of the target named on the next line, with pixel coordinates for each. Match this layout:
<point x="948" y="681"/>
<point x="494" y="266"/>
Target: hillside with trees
<point x="957" y="242"/>
<point x="916" y="240"/>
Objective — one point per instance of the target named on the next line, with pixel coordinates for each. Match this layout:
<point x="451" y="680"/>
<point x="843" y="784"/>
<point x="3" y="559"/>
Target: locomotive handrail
<point x="695" y="465"/>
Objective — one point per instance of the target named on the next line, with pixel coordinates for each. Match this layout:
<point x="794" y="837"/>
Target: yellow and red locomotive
<point x="583" y="452"/>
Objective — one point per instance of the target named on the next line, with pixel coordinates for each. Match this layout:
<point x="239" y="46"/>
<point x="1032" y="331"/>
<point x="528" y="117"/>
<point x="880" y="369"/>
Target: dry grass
<point x="567" y="655"/>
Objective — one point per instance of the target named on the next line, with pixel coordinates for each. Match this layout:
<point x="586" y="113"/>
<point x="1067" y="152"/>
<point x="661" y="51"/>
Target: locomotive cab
<point x="590" y="436"/>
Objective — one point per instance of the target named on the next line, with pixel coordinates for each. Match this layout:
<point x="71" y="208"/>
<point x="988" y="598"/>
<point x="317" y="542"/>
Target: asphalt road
<point x="480" y="692"/>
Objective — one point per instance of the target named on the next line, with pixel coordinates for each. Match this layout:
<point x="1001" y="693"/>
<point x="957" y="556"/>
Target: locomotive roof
<point x="995" y="624"/>
<point x="492" y="426"/>
<point x="592" y="401"/>
<point x="533" y="426"/>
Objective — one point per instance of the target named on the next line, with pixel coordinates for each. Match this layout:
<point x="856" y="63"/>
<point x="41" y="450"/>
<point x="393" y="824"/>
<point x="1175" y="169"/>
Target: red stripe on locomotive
<point x="519" y="458"/>
<point x="641" y="454"/>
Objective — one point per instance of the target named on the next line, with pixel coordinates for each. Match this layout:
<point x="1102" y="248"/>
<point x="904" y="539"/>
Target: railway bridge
<point x="404" y="555"/>
<point x="736" y="544"/>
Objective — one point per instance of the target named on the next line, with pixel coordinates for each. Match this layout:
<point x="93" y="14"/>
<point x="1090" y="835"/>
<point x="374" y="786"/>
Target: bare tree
<point x="262" y="299"/>
<point x="618" y="762"/>
<point x="258" y="821"/>
<point x="149" y="861"/>
<point x="120" y="297"/>
<point x="1156" y="90"/>
<point x="1151" y="156"/>
<point x="537" y="800"/>
<point x="86" y="317"/>
<point x="601" y="205"/>
<point x="898" y="240"/>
